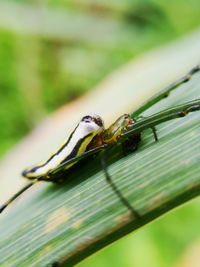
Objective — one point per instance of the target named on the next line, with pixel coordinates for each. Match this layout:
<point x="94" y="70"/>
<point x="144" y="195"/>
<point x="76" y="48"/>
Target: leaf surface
<point x="66" y="223"/>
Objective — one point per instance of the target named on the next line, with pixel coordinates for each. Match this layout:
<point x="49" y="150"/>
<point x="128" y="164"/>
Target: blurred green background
<point x="47" y="63"/>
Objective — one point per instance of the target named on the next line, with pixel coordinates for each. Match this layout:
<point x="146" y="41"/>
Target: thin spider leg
<point x="163" y="116"/>
<point x="21" y="191"/>
<point x="134" y="213"/>
<point x="154" y="131"/>
<point x="40" y="178"/>
<point x="153" y="128"/>
<point x="165" y="92"/>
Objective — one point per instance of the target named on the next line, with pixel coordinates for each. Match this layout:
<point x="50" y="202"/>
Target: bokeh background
<point x="52" y="52"/>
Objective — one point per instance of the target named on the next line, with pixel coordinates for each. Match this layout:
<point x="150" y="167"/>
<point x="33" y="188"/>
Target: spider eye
<point x="98" y="121"/>
<point x="126" y="116"/>
<point x="87" y="119"/>
<point x="94" y="118"/>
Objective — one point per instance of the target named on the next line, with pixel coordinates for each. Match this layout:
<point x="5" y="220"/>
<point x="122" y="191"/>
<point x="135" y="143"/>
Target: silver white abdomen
<point x="76" y="145"/>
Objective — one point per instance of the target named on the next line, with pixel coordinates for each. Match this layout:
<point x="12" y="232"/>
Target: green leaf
<point x="66" y="223"/>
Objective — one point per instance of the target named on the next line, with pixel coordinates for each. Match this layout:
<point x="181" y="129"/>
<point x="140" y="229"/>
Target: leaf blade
<point x="67" y="223"/>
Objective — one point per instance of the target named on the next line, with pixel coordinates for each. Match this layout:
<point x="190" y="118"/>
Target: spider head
<point x="92" y="123"/>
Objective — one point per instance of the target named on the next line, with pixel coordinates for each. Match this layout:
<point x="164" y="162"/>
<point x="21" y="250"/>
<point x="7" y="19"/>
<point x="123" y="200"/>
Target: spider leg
<point x="21" y="191"/>
<point x="154" y="131"/>
<point x="163" y="116"/>
<point x="134" y="213"/>
<point x="49" y="174"/>
<point x="165" y="92"/>
<point x="153" y="128"/>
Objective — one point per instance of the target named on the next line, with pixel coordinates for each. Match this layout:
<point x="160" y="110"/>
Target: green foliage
<point x="11" y="107"/>
<point x="68" y="222"/>
<point x="38" y="74"/>
<point x="154" y="241"/>
<point x="58" y="71"/>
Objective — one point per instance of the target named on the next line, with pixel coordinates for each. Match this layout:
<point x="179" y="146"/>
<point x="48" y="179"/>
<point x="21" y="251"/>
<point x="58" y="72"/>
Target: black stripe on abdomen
<point x="75" y="150"/>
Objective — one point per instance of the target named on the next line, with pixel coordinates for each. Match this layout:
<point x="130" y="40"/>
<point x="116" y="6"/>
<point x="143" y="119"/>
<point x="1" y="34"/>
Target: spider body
<point x="86" y="130"/>
<point x="90" y="137"/>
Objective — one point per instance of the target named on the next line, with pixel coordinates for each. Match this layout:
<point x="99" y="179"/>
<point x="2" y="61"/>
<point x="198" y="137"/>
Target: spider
<point x="90" y="137"/>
